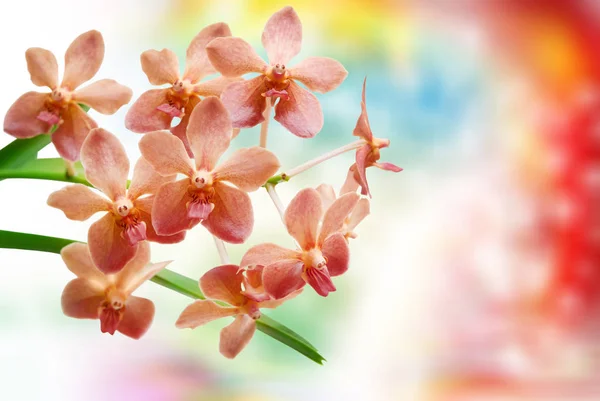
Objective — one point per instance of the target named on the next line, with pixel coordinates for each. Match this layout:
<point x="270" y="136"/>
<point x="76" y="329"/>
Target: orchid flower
<point x="95" y="295"/>
<point x="156" y="108"/>
<point x="205" y="195"/>
<point x="358" y="214"/>
<point x="298" y="110"/>
<point x="35" y="113"/>
<point x="323" y="250"/>
<point x="114" y="239"/>
<point x="224" y="284"/>
<point x="367" y="155"/>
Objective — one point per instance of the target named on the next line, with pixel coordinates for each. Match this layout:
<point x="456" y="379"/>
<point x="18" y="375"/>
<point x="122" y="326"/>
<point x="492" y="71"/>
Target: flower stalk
<point x="264" y="127"/>
<point x="223" y="255"/>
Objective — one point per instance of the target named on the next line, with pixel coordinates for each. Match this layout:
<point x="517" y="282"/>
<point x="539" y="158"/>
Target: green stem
<point x="20" y="151"/>
<point x="45" y="169"/>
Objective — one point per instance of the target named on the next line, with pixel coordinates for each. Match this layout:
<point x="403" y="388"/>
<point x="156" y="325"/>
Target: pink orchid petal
<point x="134" y="233"/>
<point x="327" y="195"/>
<point x="282" y="36"/>
<point x="333" y="221"/>
<point x="388" y="167"/>
<point x="266" y="254"/>
<point x="363" y="128"/>
<point x="209" y="132"/>
<point x="350" y="185"/>
<point x="232" y="218"/>
<point x="144" y="206"/>
<point x="234" y="57"/>
<point x="214" y="87"/>
<point x="79" y="261"/>
<point x="362" y="155"/>
<point x="200" y="210"/>
<point x="202" y="312"/>
<point x="301" y="114"/>
<point x="236" y="336"/>
<point x="143" y="115"/>
<point x="180" y="130"/>
<point x="223" y="283"/>
<point x="170" y="212"/>
<point x="105" y="96"/>
<point x="275" y="303"/>
<point x="42" y="67"/>
<point x="335" y="250"/>
<point x="110" y="251"/>
<point x="138" y="316"/>
<point x="248" y="168"/>
<point x="21" y="119"/>
<point x="146" y="180"/>
<point x="197" y="64"/>
<point x="110" y="319"/>
<point x="81" y="299"/>
<point x="70" y="135"/>
<point x="161" y="67"/>
<point x="319" y="74"/>
<point x="282" y="278"/>
<point x="302" y="217"/>
<point x="245" y="102"/>
<point x="170" y="110"/>
<point x="361" y="210"/>
<point x="83" y="59"/>
<point x="166" y="154"/>
<point x="78" y="202"/>
<point x="320" y="281"/>
<point x="105" y="163"/>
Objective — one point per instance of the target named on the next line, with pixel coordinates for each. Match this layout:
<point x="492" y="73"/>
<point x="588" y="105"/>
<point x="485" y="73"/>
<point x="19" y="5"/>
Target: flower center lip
<point x="183" y="86"/>
<point x="123" y="207"/>
<point x="277" y="74"/>
<point x="202" y="179"/>
<point x="314" y="259"/>
<point x="60" y="95"/>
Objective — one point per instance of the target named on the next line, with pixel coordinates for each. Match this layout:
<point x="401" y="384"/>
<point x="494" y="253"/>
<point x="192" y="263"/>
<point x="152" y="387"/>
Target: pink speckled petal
<point x="83" y="59"/>
<point x="234" y="57"/>
<point x="202" y="312"/>
<point x="388" y="167"/>
<point x="144" y="116"/>
<point x="78" y="202"/>
<point x="245" y="102"/>
<point x="161" y="67"/>
<point x="197" y="64"/>
<point x="282" y="36"/>
<point x="126" y="279"/>
<point x="335" y="250"/>
<point x="138" y="316"/>
<point x="301" y="114"/>
<point x="282" y="278"/>
<point x="350" y="185"/>
<point x="166" y="154"/>
<point x="21" y="119"/>
<point x="266" y="254"/>
<point x="79" y="261"/>
<point x="327" y="195"/>
<point x="70" y="135"/>
<point x="232" y="218"/>
<point x="236" y="336"/>
<point x="302" y="217"/>
<point x="333" y="220"/>
<point x="180" y="130"/>
<point x="359" y="213"/>
<point x="362" y="155"/>
<point x="223" y="283"/>
<point x="144" y="206"/>
<point x="275" y="303"/>
<point x="170" y="211"/>
<point x="110" y="251"/>
<point x="319" y="74"/>
<point x="214" y="87"/>
<point x="363" y="128"/>
<point x="248" y="168"/>
<point x="81" y="299"/>
<point x="146" y="180"/>
<point x="320" y="281"/>
<point x="42" y="67"/>
<point x="105" y="96"/>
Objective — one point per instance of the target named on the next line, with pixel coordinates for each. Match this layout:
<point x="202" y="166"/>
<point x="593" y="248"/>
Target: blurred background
<point x="477" y="275"/>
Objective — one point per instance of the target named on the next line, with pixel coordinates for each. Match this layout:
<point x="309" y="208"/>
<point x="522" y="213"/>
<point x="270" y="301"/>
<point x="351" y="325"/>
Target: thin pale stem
<point x="276" y="200"/>
<point x="70" y="167"/>
<point x="264" y="127"/>
<point x="223" y="255"/>
<point x="311" y="163"/>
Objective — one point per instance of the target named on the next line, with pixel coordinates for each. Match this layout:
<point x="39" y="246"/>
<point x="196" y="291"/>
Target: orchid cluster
<point x="180" y="181"/>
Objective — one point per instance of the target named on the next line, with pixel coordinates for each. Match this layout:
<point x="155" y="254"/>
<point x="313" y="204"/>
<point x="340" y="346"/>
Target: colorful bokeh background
<point x="477" y="275"/>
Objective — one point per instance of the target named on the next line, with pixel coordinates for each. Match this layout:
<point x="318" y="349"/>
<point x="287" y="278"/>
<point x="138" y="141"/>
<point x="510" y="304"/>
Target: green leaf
<point x="45" y="169"/>
<point x="171" y="280"/>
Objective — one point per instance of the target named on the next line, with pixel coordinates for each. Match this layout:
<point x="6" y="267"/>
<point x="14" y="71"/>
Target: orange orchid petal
<point x="302" y="217"/>
<point x="81" y="299"/>
<point x="319" y="74"/>
<point x="169" y="212"/>
<point x="350" y="185"/>
<point x="245" y="102"/>
<point x="202" y="312"/>
<point x="335" y="250"/>
<point x="143" y="115"/>
<point x="197" y="64"/>
<point x="70" y="135"/>
<point x="282" y="36"/>
<point x="42" y="67"/>
<point x="301" y="114"/>
<point x="363" y="128"/>
<point x="180" y="130"/>
<point x="223" y="283"/>
<point x="146" y="180"/>
<point x="144" y="206"/>
<point x="333" y="221"/>
<point x="359" y="213"/>
<point x="282" y="278"/>
<point x="83" y="59"/>
<point x="327" y="194"/>
<point x="105" y="96"/>
<point x="78" y="202"/>
<point x="362" y="155"/>
<point x="105" y="163"/>
<point x="266" y="254"/>
<point x="126" y="279"/>
<point x="248" y="168"/>
<point x="109" y="250"/>
<point x="138" y="316"/>
<point x="236" y="336"/>
<point x="79" y="261"/>
<point x="214" y="87"/>
<point x="209" y="132"/>
<point x="234" y="57"/>
<point x="232" y="218"/>
<point x="161" y="67"/>
<point x="21" y="119"/>
<point x="275" y="303"/>
<point x="166" y="154"/>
